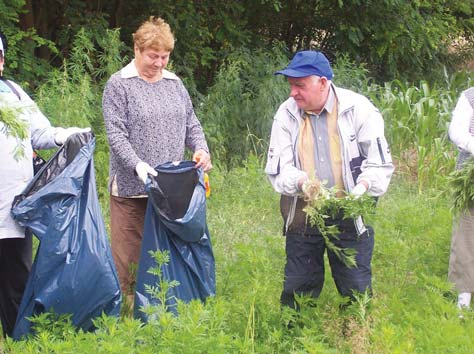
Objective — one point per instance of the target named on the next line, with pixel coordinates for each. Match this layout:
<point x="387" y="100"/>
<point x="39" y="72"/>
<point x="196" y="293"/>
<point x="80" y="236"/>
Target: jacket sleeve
<point x="376" y="167"/>
<point x="42" y="133"/>
<point x="281" y="166"/>
<point x="459" y="126"/>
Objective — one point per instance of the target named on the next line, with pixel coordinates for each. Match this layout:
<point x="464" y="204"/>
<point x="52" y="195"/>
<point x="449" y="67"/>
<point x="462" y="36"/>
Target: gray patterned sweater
<point x="151" y="122"/>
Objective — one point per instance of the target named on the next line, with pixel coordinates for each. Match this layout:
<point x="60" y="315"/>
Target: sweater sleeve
<point x="114" y="105"/>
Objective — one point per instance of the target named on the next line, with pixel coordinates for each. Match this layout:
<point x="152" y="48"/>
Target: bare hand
<point x="202" y="159"/>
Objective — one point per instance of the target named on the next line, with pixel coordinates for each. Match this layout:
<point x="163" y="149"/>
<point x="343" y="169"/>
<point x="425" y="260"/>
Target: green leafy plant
<point x="52" y="325"/>
<point x="416" y="120"/>
<point x="160" y="290"/>
<point x="14" y="126"/>
<point x="324" y="204"/>
<point x="461" y="182"/>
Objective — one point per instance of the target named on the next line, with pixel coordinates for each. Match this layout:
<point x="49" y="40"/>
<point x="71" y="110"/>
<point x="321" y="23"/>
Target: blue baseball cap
<point x="307" y="63"/>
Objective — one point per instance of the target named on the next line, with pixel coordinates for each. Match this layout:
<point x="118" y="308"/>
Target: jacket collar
<point x="130" y="71"/>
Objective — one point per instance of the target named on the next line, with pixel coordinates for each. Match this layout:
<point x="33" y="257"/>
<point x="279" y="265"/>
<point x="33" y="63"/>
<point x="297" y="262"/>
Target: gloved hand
<point x="359" y="189"/>
<point x="143" y="170"/>
<point x="63" y="133"/>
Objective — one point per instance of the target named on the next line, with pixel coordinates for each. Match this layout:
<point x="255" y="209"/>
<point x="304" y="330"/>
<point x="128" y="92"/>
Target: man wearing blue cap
<point x="325" y="133"/>
<point x="16" y="171"/>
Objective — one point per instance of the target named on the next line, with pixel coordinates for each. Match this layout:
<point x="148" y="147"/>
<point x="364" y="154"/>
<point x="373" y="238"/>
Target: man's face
<point x="310" y="92"/>
<point x="150" y="62"/>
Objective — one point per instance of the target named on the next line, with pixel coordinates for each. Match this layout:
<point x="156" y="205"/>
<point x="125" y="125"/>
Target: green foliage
<point x="49" y="326"/>
<point x="351" y="75"/>
<point x="159" y="291"/>
<point x="207" y="32"/>
<point x="462" y="187"/>
<point x="323" y="204"/>
<point x="71" y="96"/>
<point x="413" y="306"/>
<point x="411" y="41"/>
<point x="9" y="10"/>
<point x="13" y="125"/>
<point x="20" y="61"/>
<point x="416" y="121"/>
<point x="238" y="110"/>
<point x="412" y="309"/>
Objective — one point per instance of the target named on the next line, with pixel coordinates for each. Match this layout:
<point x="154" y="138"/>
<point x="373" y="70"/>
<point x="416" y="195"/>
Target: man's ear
<point x="324" y="81"/>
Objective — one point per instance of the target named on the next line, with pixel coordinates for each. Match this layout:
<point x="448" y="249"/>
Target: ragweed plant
<point x="461" y="182"/>
<point x="161" y="289"/>
<point x="15" y="127"/>
<point x="328" y="203"/>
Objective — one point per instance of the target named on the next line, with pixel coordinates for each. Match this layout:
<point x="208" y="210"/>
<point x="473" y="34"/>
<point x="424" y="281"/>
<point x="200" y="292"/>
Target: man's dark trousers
<point x="304" y="269"/>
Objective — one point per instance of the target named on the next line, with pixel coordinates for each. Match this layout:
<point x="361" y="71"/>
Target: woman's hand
<point x="202" y="159"/>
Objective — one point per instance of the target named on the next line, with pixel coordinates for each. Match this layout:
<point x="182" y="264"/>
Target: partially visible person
<point x="16" y="171"/>
<point x="461" y="260"/>
<point x="149" y="120"/>
<point x="326" y="133"/>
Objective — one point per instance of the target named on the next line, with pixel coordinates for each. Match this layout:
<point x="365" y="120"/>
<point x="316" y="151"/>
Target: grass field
<point x="412" y="311"/>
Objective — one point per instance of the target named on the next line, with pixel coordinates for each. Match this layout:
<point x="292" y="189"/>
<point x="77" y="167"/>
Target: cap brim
<point x="293" y="73"/>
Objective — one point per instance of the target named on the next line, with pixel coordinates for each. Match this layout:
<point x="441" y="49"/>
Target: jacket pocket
<point x="273" y="162"/>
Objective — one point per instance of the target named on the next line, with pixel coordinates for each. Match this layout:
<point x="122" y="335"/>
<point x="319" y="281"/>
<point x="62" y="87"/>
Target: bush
<point x="237" y="112"/>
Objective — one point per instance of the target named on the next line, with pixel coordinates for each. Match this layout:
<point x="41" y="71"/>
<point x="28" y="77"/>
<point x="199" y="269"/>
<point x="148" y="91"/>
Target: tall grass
<point x="238" y="109"/>
<point x="416" y="121"/>
<point x="72" y="95"/>
<point x="412" y="310"/>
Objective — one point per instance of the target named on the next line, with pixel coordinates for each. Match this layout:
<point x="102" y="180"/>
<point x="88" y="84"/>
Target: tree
<point x="396" y="38"/>
<point x="406" y="39"/>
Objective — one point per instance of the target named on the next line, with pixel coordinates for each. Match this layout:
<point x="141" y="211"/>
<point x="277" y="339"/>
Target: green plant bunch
<point x="14" y="126"/>
<point x="461" y="182"/>
<point x="327" y="203"/>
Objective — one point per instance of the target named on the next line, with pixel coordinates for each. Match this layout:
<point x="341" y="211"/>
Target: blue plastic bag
<point x="175" y="221"/>
<point x="73" y="271"/>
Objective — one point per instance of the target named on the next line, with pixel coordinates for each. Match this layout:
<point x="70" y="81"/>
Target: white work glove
<point x="143" y="170"/>
<point x="358" y="190"/>
<point x="63" y="133"/>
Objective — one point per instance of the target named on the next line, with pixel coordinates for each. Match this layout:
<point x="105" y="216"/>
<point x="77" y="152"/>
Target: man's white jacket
<point x="364" y="149"/>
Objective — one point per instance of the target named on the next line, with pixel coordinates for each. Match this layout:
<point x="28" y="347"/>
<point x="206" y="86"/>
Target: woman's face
<point x="150" y="62"/>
